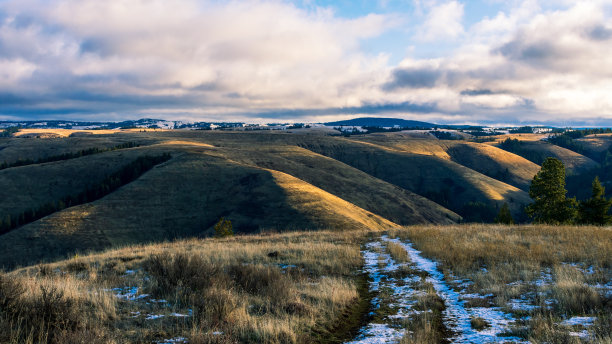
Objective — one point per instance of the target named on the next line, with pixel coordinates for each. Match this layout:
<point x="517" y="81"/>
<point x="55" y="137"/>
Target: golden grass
<point x="316" y="201"/>
<point x="65" y="132"/>
<point x="268" y="288"/>
<point x="555" y="268"/>
<point x="397" y="252"/>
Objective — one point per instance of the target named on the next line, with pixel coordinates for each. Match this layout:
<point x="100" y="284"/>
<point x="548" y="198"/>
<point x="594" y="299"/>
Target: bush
<point x="261" y="280"/>
<point x="187" y="272"/>
<point x="43" y="315"/>
<point x="223" y="228"/>
<point x="504" y="216"/>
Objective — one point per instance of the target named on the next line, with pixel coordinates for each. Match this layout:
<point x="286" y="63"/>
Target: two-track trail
<point x="396" y="294"/>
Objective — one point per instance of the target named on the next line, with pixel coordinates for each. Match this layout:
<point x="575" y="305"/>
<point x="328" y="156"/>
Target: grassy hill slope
<point x="185" y="197"/>
<point x="387" y="200"/>
<point x="26" y="187"/>
<point x="538" y="151"/>
<point x="13" y="149"/>
<point x="495" y="163"/>
<point x="486" y="159"/>
<point x="448" y="183"/>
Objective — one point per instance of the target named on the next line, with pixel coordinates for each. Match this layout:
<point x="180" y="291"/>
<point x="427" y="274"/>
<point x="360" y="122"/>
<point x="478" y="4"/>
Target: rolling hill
<point x="381" y="122"/>
<point x="486" y="159"/>
<point x="447" y="183"/>
<point x="185" y="197"/>
<point x="259" y="180"/>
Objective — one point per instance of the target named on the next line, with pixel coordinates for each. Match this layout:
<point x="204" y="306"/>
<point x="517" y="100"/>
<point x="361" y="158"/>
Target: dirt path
<point x="396" y="296"/>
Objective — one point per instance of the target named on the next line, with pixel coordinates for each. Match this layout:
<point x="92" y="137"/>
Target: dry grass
<point x="52" y="309"/>
<point x="553" y="268"/>
<point x="426" y="326"/>
<point x="397" y="252"/>
<point x="272" y="288"/>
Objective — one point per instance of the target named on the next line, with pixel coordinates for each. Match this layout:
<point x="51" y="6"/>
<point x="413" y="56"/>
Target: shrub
<point x="478" y="324"/>
<point x="261" y="280"/>
<point x="190" y="273"/>
<point x="223" y="228"/>
<point x="504" y="216"/>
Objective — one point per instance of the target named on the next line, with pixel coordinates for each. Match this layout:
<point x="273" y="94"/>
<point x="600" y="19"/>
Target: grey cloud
<point x="600" y="33"/>
<point x="477" y="92"/>
<point x="413" y="78"/>
<point x="365" y="109"/>
<point x="518" y="49"/>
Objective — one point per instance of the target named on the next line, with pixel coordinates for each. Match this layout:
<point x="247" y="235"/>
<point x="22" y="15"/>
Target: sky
<point x="461" y="62"/>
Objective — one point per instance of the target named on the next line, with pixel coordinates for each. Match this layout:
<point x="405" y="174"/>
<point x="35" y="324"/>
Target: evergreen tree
<point x="548" y="191"/>
<point x="223" y="228"/>
<point x="595" y="210"/>
<point x="504" y="216"/>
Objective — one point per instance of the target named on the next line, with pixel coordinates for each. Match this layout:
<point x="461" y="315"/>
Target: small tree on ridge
<point x="548" y="192"/>
<point x="595" y="210"/>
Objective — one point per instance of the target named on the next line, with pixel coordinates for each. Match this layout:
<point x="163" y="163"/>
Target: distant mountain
<point x="381" y="122"/>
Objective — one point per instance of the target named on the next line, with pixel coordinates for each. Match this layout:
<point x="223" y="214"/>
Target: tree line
<point x="112" y="182"/>
<point x="67" y="156"/>
<point x="552" y="206"/>
<point x="8" y="132"/>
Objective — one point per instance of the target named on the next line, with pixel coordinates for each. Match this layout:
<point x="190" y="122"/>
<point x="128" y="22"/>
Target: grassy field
<point x="277" y="288"/>
<point x="507" y="283"/>
<point x="556" y="282"/>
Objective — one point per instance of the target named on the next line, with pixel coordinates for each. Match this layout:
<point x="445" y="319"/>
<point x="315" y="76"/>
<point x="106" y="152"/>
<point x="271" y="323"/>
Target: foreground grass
<point x="543" y="275"/>
<point x="302" y="287"/>
<point x="280" y="288"/>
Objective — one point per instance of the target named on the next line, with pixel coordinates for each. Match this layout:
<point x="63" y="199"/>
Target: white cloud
<point x="443" y="21"/>
<point x="267" y="54"/>
<point x="217" y="59"/>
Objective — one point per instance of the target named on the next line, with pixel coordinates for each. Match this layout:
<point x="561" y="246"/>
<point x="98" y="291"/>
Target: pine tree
<point x="223" y="228"/>
<point x="595" y="210"/>
<point x="548" y="191"/>
<point x="504" y="216"/>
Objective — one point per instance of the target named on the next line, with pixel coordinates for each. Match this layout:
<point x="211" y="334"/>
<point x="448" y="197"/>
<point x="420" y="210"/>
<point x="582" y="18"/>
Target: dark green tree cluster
<point x="595" y="210"/>
<point x="504" y="216"/>
<point x="518" y="147"/>
<point x="67" y="156"/>
<point x="522" y="130"/>
<point x="552" y="206"/>
<point x="445" y="135"/>
<point x="125" y="175"/>
<point x="566" y="141"/>
<point x="9" y="131"/>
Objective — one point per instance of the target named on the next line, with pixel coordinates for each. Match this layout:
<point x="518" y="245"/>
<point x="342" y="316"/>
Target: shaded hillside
<point x="14" y="149"/>
<point x="381" y="122"/>
<point x="538" y="151"/>
<point x="389" y="201"/>
<point x="29" y="187"/>
<point x="495" y="163"/>
<point x="185" y="197"/>
<point x="445" y="182"/>
<point x="596" y="145"/>
<point x="486" y="159"/>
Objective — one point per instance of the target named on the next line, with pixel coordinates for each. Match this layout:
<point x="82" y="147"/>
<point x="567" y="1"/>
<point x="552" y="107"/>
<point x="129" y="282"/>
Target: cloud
<point x="442" y="22"/>
<point x="152" y="51"/>
<point x="413" y="78"/>
<point x="211" y="59"/>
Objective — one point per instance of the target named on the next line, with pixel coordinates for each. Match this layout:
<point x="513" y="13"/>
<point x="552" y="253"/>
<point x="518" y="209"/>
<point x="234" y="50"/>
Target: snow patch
<point x="378" y="333"/>
<point x="154" y="316"/>
<point x="583" y="321"/>
<point x="456" y="317"/>
<point x="173" y="340"/>
<point x="128" y="293"/>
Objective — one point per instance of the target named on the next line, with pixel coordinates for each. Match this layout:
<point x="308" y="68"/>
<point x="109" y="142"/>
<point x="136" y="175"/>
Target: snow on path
<point x="376" y="332"/>
<point x="456" y="316"/>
